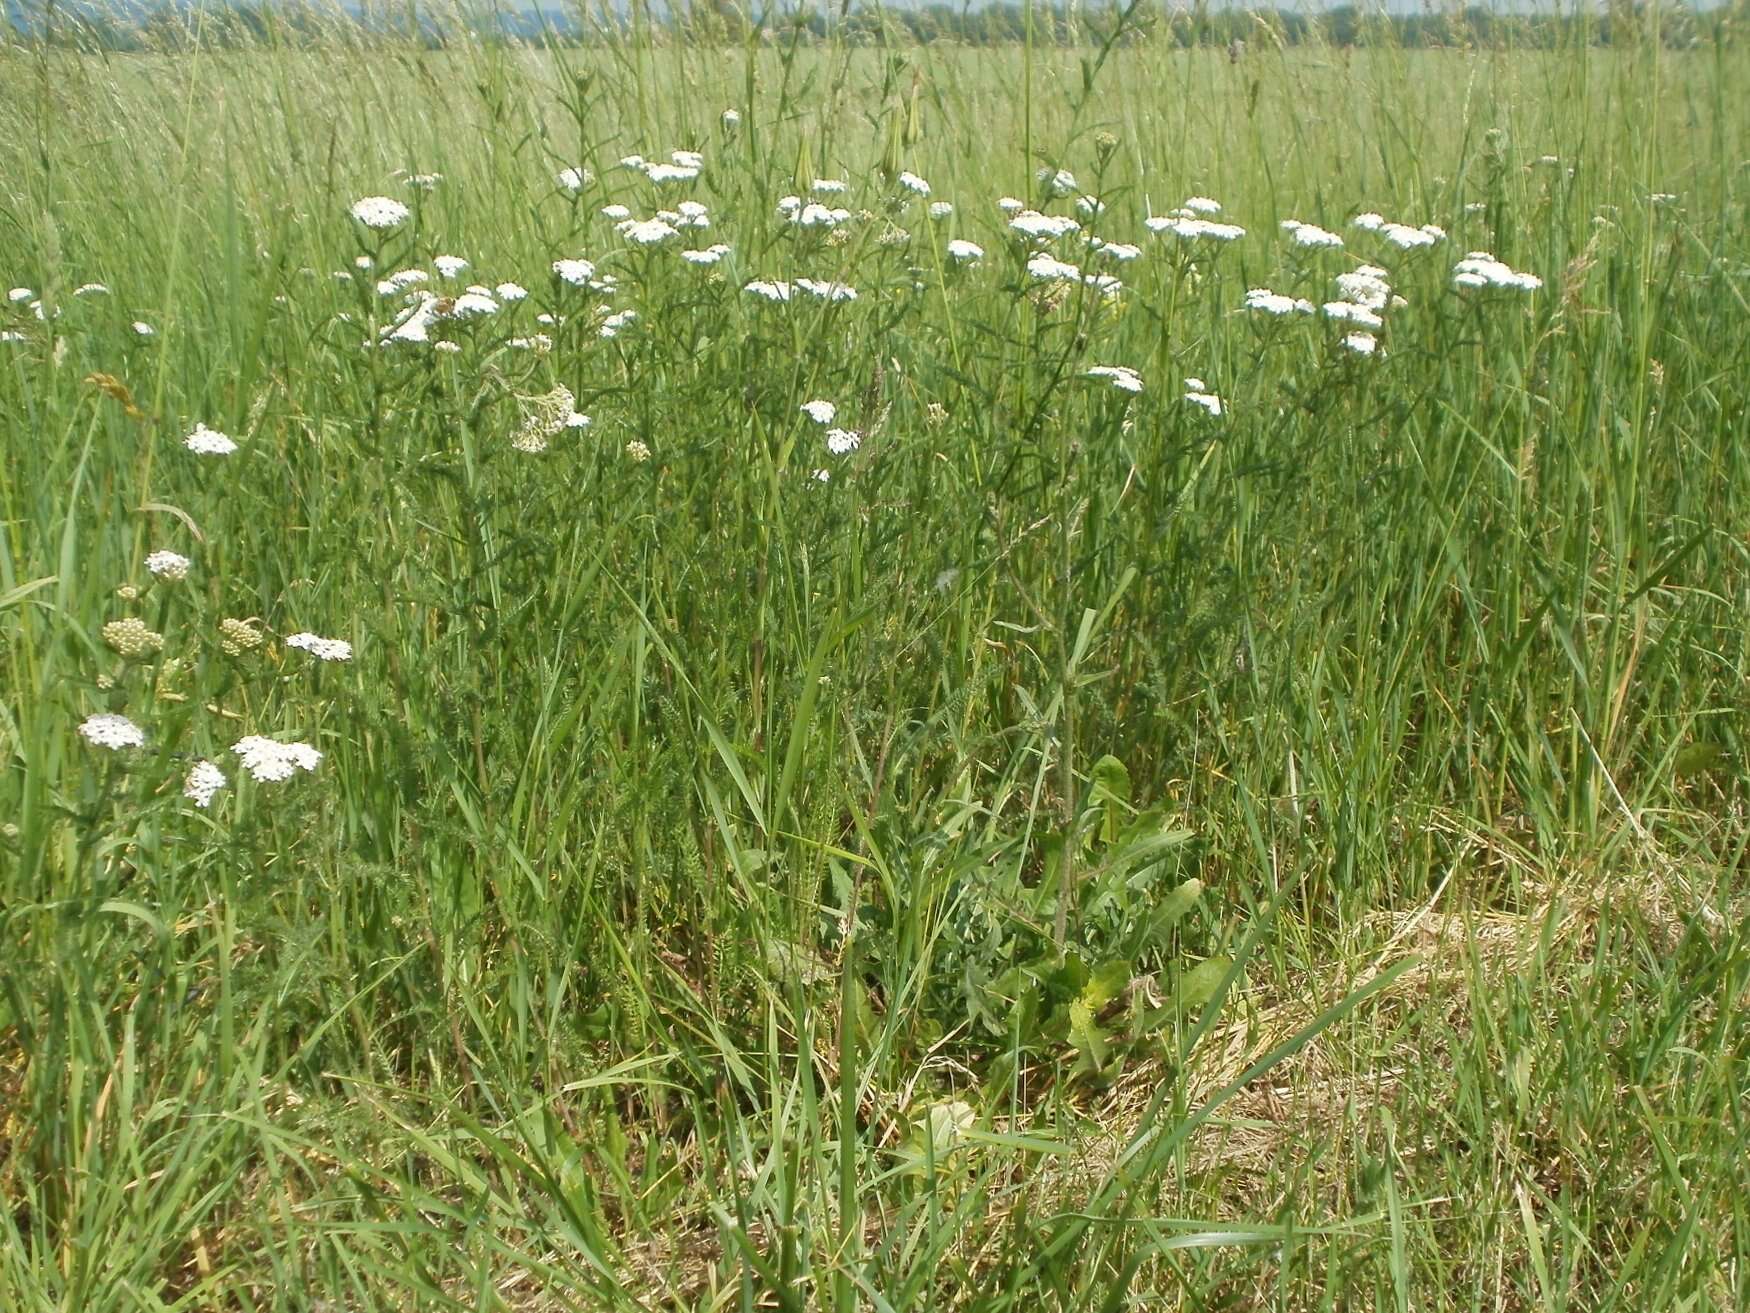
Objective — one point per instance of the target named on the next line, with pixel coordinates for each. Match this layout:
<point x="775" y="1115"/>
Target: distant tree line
<point x="129" y="25"/>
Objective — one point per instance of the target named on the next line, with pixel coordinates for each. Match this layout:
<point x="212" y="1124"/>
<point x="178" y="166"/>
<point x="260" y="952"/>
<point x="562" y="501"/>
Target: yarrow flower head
<point x="1309" y="234"/>
<point x="914" y="184"/>
<point x="1366" y="286"/>
<point x="964" y="251"/>
<point x="1048" y="268"/>
<point x="1480" y="269"/>
<point x="1123" y="377"/>
<point x="941" y="209"/>
<point x="1122" y="251"/>
<point x="647" y="232"/>
<point x="660" y="173"/>
<point x="1274" y="303"/>
<point x="576" y="272"/>
<point x="548" y="415"/>
<point x="827" y="291"/>
<point x="471" y="304"/>
<point x="1187" y="227"/>
<point x="731" y="118"/>
<point x="842" y="442"/>
<point x="1198" y="394"/>
<point x="450" y="265"/>
<point x="112" y="731"/>
<point x="269" y="761"/>
<point x="1031" y="223"/>
<point x="821" y="412"/>
<point x="169" y="566"/>
<point x="204" y="441"/>
<point x="1351" y="312"/>
<point x="1399" y="234"/>
<point x="323" y="649"/>
<point x="380" y="212"/>
<point x="574" y="179"/>
<point x="611" y="326"/>
<point x="398" y="282"/>
<point x="707" y="255"/>
<point x="131" y="639"/>
<point x="203" y="781"/>
<point x="1059" y="182"/>
<point x="239" y="636"/>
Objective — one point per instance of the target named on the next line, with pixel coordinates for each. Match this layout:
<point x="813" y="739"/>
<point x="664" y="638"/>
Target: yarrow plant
<point x="204" y="441"/>
<point x="380" y="212"/>
<point x="270" y="761"/>
<point x="1122" y="377"/>
<point x="203" y="781"/>
<point x="323" y="649"/>
<point x="111" y="730"/>
<point x="172" y="567"/>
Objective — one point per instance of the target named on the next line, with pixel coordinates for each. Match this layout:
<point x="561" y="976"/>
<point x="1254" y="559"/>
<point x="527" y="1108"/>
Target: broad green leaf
<point x="1698" y="759"/>
<point x="1198" y="985"/>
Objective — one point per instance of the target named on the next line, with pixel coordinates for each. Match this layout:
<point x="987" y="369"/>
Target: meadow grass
<point x="1084" y="853"/>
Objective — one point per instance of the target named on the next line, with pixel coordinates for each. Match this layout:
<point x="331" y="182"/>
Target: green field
<point x="1027" y="841"/>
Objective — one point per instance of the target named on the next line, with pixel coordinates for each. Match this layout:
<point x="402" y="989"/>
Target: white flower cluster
<point x="380" y="212"/>
<point x="203" y="781"/>
<point x="204" y="441"/>
<point x="1187" y="224"/>
<point x="1274" y="303"/>
<point x="812" y="214"/>
<point x="1401" y="235"/>
<point x="1049" y="268"/>
<point x="1123" y="377"/>
<point x="1058" y="182"/>
<point x="1043" y="227"/>
<point x="1309" y="234"/>
<point x="576" y="272"/>
<point x="270" y="761"/>
<point x="112" y="731"/>
<point x="647" y="232"/>
<point x="683" y="166"/>
<point x="1121" y="251"/>
<point x="612" y="324"/>
<point x="1198" y="394"/>
<point x="827" y="291"/>
<point x="1480" y="269"/>
<point x="323" y="649"/>
<point x="172" y="567"/>
<point x="547" y="417"/>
